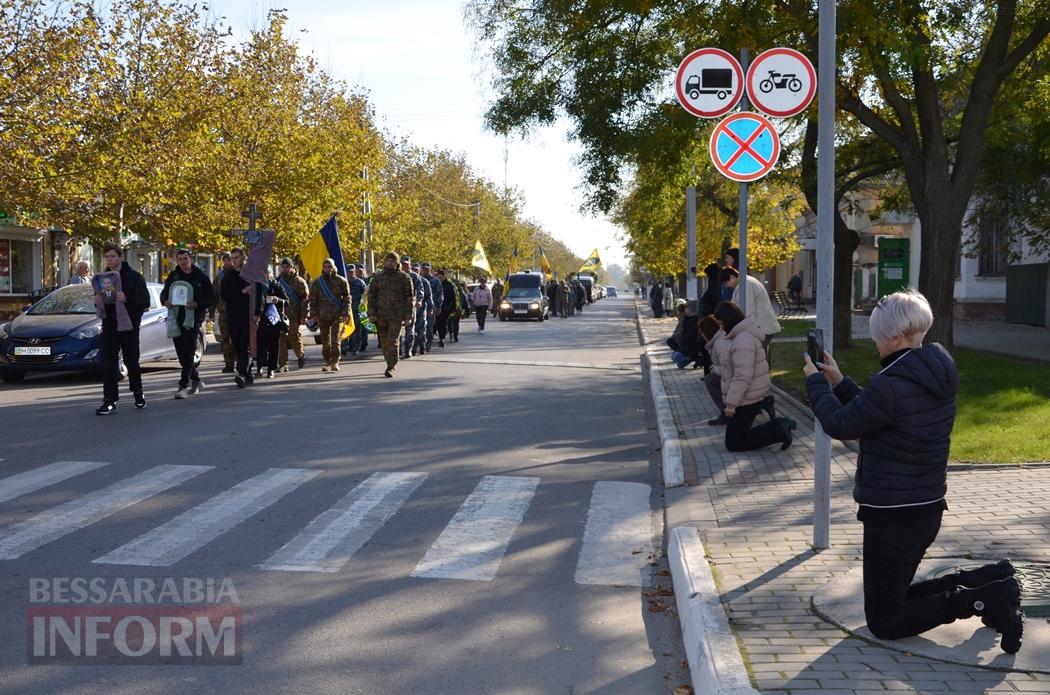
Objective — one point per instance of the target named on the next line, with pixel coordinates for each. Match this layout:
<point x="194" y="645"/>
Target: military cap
<point x="426" y="265"/>
<point x="406" y="259"/>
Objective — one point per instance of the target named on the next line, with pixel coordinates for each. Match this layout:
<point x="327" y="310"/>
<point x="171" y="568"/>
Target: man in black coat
<point x="903" y="419"/>
<point x="186" y="271"/>
<point x="235" y="293"/>
<point x="134" y="296"/>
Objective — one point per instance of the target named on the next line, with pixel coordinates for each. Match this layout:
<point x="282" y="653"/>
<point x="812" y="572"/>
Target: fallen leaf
<point x="683" y="690"/>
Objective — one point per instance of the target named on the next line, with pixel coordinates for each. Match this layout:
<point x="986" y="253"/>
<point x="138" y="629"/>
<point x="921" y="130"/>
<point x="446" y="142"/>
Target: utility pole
<point x="825" y="254"/>
<point x="367" y="252"/>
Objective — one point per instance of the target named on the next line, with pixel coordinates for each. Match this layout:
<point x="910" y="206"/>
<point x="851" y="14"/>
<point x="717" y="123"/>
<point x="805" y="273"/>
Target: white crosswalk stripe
<point x="195" y="528"/>
<point x="472" y="545"/>
<point x="52" y="524"/>
<point x="617" y="540"/>
<point x="331" y="539"/>
<point x="39" y="478"/>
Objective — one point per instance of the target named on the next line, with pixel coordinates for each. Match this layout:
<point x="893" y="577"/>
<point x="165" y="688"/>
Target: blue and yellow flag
<point x="324" y="245"/>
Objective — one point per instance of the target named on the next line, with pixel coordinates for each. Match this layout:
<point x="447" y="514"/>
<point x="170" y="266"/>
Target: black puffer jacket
<point x="903" y="419"/>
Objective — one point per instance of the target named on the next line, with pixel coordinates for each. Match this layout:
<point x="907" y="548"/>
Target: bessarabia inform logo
<point x="116" y="620"/>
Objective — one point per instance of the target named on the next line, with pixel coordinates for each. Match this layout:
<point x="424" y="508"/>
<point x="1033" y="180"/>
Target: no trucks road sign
<point x="709" y="83"/>
<point x="745" y="147"/>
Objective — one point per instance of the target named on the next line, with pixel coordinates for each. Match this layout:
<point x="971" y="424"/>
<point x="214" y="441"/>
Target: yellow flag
<point x="513" y="268"/>
<point x="479" y="260"/>
<point x="545" y="264"/>
<point x="348" y="327"/>
<point x="313" y="256"/>
<point x="593" y="263"/>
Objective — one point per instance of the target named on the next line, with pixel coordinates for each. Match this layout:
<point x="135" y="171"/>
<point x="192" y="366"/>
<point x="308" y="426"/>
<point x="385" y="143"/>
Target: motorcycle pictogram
<point x="780" y="81"/>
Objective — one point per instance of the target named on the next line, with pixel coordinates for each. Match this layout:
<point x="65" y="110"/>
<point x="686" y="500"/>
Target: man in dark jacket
<point x="448" y="306"/>
<point x="203" y="299"/>
<point x="903" y="419"/>
<point x="123" y="340"/>
<point x="689" y="343"/>
<point x="239" y="308"/>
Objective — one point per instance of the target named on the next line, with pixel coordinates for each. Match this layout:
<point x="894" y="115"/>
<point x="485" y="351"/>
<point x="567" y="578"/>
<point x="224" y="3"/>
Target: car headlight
<point x="88" y="332"/>
<point x="534" y="305"/>
<point x="505" y="305"/>
<point x="4" y="328"/>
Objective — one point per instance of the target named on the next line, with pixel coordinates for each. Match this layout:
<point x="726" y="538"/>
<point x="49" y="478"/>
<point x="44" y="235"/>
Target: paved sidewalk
<point x="754" y="512"/>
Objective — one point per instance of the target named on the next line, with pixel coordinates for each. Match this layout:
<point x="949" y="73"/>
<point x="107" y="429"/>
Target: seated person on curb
<point x="745" y="384"/>
<point x="903" y="419"/>
<point x="689" y="344"/>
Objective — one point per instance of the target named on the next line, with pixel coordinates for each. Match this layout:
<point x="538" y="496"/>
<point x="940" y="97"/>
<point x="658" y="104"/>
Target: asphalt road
<point x="483" y="523"/>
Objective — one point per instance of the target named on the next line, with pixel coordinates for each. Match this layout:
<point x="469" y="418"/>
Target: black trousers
<point x="481" y="312"/>
<point x="186" y="349"/>
<point x="442" y="325"/>
<point x="267" y="337"/>
<point x="115" y="343"/>
<point x="894" y="607"/>
<point x="240" y="332"/>
<point x="453" y="325"/>
<point x="741" y="436"/>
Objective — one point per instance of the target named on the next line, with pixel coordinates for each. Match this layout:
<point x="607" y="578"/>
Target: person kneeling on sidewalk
<point x="689" y="344"/>
<point x="745" y="385"/>
<point x="903" y="419"/>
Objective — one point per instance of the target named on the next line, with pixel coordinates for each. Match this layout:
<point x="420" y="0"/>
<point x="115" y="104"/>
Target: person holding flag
<point x="593" y="263"/>
<point x="297" y="309"/>
<point x="330" y="306"/>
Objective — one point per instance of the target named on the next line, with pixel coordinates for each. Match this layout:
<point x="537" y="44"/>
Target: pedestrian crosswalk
<point x="615" y="547"/>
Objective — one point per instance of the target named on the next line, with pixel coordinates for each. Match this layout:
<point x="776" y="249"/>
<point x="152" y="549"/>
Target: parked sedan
<point x="62" y="333"/>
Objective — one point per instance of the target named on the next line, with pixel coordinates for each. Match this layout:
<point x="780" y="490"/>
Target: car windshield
<point x="523" y="292"/>
<point x="75" y="299"/>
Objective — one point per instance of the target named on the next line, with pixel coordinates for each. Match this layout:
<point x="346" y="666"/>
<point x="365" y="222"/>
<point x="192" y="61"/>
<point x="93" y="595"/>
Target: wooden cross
<point x="253" y="214"/>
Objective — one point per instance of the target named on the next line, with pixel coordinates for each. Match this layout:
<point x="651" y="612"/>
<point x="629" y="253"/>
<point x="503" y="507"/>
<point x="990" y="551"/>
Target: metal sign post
<point x="746" y="104"/>
<point x="692" y="290"/>
<point x="825" y="256"/>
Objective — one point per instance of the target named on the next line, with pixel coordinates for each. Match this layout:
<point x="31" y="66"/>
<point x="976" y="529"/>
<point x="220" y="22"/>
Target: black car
<point x="525" y="298"/>
<point x="61" y="332"/>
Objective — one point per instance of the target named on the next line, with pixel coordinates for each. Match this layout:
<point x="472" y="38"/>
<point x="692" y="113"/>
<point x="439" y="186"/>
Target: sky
<point x="424" y="77"/>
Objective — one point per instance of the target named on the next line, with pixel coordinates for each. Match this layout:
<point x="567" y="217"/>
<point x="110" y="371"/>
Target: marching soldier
<point x="298" y="308"/>
<point x="330" y="305"/>
<point x="423" y="314"/>
<point x="391" y="303"/>
<point x="418" y="291"/>
<point x="437" y="294"/>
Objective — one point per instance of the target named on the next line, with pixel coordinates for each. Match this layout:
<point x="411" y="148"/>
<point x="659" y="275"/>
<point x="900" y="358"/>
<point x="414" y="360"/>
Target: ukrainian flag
<point x="326" y="245"/>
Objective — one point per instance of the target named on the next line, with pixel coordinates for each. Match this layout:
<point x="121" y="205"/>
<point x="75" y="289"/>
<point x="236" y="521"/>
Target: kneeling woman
<point x="745" y="383"/>
<point x="903" y="419"/>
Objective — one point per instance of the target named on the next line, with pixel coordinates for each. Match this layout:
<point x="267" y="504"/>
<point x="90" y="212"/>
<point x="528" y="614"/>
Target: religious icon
<point x="180" y="295"/>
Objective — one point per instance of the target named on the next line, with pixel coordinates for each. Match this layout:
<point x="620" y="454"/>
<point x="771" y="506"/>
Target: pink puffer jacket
<point x="745" y="375"/>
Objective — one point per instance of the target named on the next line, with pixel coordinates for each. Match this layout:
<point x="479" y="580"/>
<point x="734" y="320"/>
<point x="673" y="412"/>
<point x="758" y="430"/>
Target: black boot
<point x="971" y="579"/>
<point x="997" y="601"/>
<point x="768" y="406"/>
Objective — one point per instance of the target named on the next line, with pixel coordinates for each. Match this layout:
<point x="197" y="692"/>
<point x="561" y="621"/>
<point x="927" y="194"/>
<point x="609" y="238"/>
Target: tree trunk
<point x="846" y="241"/>
<point x="941" y="237"/>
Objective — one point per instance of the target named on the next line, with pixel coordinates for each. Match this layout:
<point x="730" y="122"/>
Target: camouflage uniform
<point x="391" y="302"/>
<point x="229" y="353"/>
<point x="297" y="312"/>
<point x="419" y="292"/>
<point x="330" y="317"/>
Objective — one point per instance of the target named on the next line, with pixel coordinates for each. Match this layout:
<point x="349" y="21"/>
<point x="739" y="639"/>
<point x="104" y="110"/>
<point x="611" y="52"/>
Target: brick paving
<point x="759" y="549"/>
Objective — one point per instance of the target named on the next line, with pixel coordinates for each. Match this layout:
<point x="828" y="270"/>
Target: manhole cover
<point x="1034" y="578"/>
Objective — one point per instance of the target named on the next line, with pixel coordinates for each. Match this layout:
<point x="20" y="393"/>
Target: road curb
<point x="670" y="441"/>
<point x="716" y="666"/>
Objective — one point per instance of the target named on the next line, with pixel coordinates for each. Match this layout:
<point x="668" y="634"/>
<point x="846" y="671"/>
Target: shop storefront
<point x="21" y="267"/>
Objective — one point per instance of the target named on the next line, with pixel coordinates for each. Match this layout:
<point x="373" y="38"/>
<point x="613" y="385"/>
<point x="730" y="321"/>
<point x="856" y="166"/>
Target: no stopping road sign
<point x="745" y="146"/>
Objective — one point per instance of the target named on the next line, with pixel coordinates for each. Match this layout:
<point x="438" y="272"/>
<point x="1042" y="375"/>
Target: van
<point x="525" y="297"/>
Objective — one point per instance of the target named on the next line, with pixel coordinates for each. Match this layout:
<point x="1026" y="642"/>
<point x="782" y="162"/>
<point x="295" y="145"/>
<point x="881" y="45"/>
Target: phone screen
<point x="815" y="344"/>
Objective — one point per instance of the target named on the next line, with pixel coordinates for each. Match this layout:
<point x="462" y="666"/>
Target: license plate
<point x="521" y="311"/>
<point x="32" y="351"/>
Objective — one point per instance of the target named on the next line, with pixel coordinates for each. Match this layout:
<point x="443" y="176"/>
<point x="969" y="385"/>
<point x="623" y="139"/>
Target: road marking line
<point x="331" y="539"/>
<point x="196" y="527"/>
<point x="52" y="524"/>
<point x="39" y="478"/>
<point x="617" y="541"/>
<point x="530" y="363"/>
<point x="472" y="545"/>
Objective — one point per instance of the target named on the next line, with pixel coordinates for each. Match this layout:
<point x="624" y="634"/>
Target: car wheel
<point x="12" y="376"/>
<point x="122" y="369"/>
<point x="198" y="354"/>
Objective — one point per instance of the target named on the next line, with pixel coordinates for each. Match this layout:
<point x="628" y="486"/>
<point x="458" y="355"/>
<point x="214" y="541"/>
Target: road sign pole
<point x="825" y="254"/>
<point x="745" y="105"/>
<point x="690" y="230"/>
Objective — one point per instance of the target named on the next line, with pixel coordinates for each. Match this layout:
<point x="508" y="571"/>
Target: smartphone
<point x="815" y="345"/>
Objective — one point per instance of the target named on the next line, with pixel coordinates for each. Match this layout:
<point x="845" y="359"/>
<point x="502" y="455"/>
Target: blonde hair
<point x="906" y="314"/>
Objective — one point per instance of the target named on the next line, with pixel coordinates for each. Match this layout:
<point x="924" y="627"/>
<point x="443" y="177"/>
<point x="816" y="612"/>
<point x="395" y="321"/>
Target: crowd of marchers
<point x="409" y="306"/>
